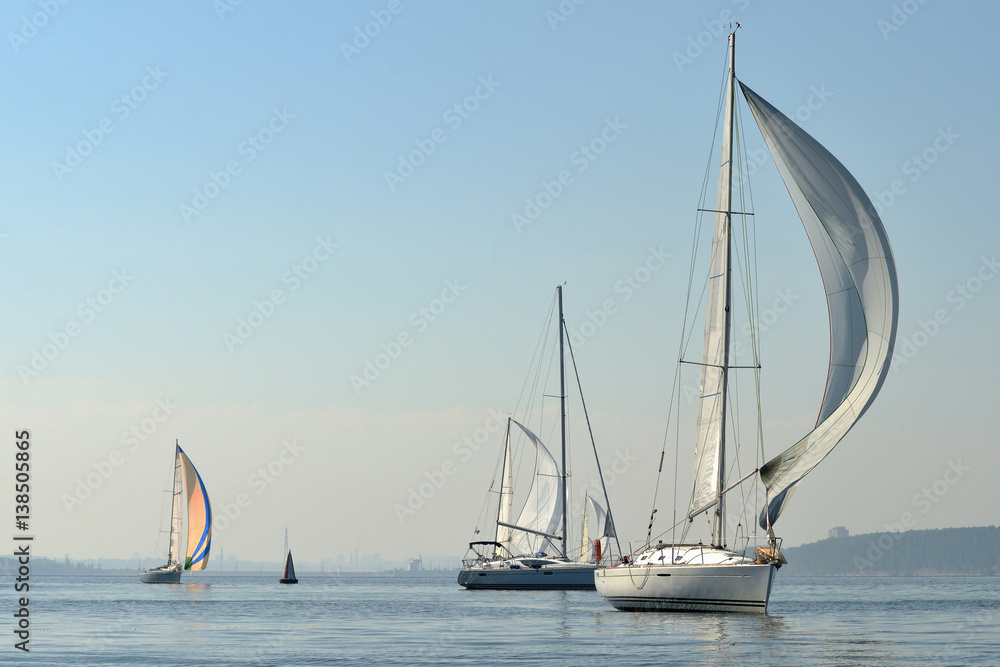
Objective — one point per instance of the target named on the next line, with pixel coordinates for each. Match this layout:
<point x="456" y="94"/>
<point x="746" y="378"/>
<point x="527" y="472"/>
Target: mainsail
<point x="859" y="277"/>
<point x="199" y="540"/>
<point x="542" y="513"/>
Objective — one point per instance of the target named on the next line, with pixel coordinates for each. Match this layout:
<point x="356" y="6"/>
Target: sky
<point x="315" y="243"/>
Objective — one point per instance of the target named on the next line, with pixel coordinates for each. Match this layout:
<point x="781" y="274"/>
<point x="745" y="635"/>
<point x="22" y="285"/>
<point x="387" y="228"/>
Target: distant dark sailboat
<point x="288" y="576"/>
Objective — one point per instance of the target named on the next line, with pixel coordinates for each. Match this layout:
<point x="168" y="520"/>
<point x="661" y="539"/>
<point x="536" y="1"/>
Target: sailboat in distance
<point x="859" y="278"/>
<point x="532" y="551"/>
<point x="199" y="525"/>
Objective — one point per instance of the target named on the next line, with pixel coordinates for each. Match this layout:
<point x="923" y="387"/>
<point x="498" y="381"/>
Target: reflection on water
<point x="432" y="621"/>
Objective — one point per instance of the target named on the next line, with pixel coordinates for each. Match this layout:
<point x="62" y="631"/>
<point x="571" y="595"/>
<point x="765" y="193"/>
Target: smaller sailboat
<point x="288" y="576"/>
<point x="533" y="552"/>
<point x="199" y="524"/>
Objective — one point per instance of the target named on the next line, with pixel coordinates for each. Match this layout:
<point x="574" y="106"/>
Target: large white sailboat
<point x="532" y="551"/>
<point x="199" y="525"/>
<point x="731" y="573"/>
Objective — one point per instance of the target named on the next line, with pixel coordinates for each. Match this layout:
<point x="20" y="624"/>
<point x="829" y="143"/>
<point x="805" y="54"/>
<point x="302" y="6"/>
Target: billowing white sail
<point x="542" y="512"/>
<point x="176" y="512"/>
<point x="859" y="277"/>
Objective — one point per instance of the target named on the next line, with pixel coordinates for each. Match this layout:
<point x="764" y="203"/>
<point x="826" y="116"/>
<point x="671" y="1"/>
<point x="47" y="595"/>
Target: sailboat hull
<point x="570" y="577"/>
<point x="723" y="588"/>
<point x="160" y="577"/>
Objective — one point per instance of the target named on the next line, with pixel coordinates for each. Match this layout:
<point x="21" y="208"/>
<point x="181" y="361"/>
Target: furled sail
<point x="199" y="540"/>
<point x="859" y="278"/>
<point x="709" y="443"/>
<point x="542" y="512"/>
<point x="176" y="513"/>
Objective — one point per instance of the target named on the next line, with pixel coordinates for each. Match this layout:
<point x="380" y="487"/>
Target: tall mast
<point x="726" y="209"/>
<point x="562" y="412"/>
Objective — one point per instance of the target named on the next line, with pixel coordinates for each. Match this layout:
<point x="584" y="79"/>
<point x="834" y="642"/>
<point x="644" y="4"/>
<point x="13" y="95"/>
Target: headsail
<point x="199" y="540"/>
<point x="859" y="277"/>
<point x="542" y="512"/>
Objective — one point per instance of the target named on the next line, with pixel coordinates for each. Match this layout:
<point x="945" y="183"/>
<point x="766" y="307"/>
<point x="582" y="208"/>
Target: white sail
<point x="595" y="527"/>
<point x="710" y="441"/>
<point x="506" y="495"/>
<point x="542" y="512"/>
<point x="176" y="512"/>
<point x="859" y="277"/>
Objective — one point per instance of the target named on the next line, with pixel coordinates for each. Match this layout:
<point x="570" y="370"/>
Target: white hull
<point x="160" y="577"/>
<point x="743" y="587"/>
<point x="568" y="576"/>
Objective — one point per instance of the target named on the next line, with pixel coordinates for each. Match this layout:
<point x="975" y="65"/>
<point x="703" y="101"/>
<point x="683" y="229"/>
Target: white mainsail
<point x="859" y="277"/>
<point x="506" y="495"/>
<point x="542" y="512"/>
<point x="176" y="513"/>
<point x="710" y="442"/>
<point x="595" y="527"/>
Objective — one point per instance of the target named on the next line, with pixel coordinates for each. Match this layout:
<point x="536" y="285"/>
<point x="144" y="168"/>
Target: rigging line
<point x="600" y="474"/>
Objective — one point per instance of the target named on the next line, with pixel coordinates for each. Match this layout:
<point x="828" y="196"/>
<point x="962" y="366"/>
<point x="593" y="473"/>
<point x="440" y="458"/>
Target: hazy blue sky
<point x="216" y="218"/>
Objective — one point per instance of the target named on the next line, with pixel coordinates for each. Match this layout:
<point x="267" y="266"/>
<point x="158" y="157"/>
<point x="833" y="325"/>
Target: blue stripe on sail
<point x="204" y="540"/>
<point x="711" y="395"/>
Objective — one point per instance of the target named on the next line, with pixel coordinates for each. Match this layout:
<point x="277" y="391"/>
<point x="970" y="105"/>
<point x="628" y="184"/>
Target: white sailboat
<point x="859" y="279"/>
<point x="199" y="524"/>
<point x="532" y="551"/>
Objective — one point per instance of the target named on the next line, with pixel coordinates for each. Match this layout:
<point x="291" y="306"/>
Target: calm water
<point x="431" y="621"/>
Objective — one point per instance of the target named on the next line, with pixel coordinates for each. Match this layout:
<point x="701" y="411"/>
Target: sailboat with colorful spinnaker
<point x="188" y="491"/>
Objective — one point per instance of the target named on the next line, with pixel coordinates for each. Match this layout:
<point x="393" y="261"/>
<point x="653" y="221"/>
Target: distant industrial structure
<point x="838" y="532"/>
